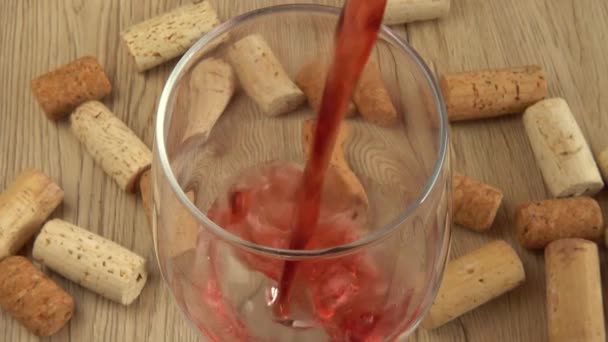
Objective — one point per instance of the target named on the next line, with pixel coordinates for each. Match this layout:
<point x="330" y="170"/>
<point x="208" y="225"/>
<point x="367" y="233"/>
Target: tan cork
<point x="473" y="280"/>
<point x="262" y="76"/>
<point x="373" y="99"/>
<point x="91" y="261"/>
<point x="185" y="234"/>
<point x="167" y="36"/>
<point x="212" y="84"/>
<point x="24" y="206"/>
<point x="407" y="11"/>
<point x="561" y="151"/>
<point x="340" y="174"/>
<point x="574" y="292"/>
<point x="32" y="298"/>
<point x="121" y="154"/>
<point x="490" y="93"/>
<point x="475" y="203"/>
<point x="539" y="223"/>
<point x="60" y="91"/>
<point x="311" y="79"/>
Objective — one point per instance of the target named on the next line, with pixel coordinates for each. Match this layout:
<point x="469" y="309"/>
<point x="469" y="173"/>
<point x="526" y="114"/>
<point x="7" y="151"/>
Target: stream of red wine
<point x="356" y="35"/>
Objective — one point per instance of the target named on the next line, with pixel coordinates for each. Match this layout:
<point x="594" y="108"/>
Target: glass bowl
<point x="372" y="284"/>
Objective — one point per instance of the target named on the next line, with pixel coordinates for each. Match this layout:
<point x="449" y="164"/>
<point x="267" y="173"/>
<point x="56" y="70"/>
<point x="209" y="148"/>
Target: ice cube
<point x="335" y="287"/>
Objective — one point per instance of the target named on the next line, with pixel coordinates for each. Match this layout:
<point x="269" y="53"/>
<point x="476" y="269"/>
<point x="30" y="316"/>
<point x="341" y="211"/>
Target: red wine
<point x="347" y="296"/>
<point x="356" y="35"/>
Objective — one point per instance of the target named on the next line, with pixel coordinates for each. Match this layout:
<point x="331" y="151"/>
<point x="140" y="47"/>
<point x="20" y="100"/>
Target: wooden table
<point x="568" y="37"/>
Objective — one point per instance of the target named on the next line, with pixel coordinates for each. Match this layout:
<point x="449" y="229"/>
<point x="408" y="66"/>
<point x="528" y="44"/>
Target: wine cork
<point x="262" y="76"/>
<point x="561" y="151"/>
<point x="339" y="173"/>
<point x="311" y="79"/>
<point x="167" y="36"/>
<point x="407" y="11"/>
<point x="574" y="292"/>
<point x="111" y="143"/>
<point x="539" y="223"/>
<point x="475" y="203"/>
<point x="186" y="228"/>
<point x="32" y="298"/>
<point x="473" y="280"/>
<point x="60" y="91"/>
<point x="212" y="84"/>
<point x="372" y="98"/>
<point x="92" y="261"/>
<point x="490" y="93"/>
<point x="24" y="206"/>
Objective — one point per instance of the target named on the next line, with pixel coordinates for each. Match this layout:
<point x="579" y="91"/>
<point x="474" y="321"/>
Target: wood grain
<point x="567" y="37"/>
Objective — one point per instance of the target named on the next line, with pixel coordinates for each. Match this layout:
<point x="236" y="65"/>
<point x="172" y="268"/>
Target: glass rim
<point x="377" y="235"/>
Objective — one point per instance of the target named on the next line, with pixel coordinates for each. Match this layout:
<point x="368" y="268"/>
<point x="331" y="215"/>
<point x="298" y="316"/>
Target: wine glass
<point x="365" y="277"/>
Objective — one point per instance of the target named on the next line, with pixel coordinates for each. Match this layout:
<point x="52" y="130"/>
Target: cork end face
<point x="285" y="104"/>
<point x="525" y="231"/>
<point x="312" y="74"/>
<point x="45" y="101"/>
<point x="384" y="115"/>
<point x="133" y="185"/>
<point x="569" y="243"/>
<point x="475" y="204"/>
<point x="344" y="191"/>
<point x="373" y="99"/>
<point x="510" y="254"/>
<point x="494" y="205"/>
<point x="428" y="323"/>
<point x="520" y="225"/>
<point x="311" y="79"/>
<point x="141" y="67"/>
<point x="543" y="111"/>
<point x="61" y="319"/>
<point x="551" y="103"/>
<point x="127" y="43"/>
<point x="136" y="285"/>
<point x="444" y="86"/>
<point x="588" y="188"/>
<point x="566" y="248"/>
<point x="89" y="108"/>
<point x="144" y="182"/>
<point x="351" y="110"/>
